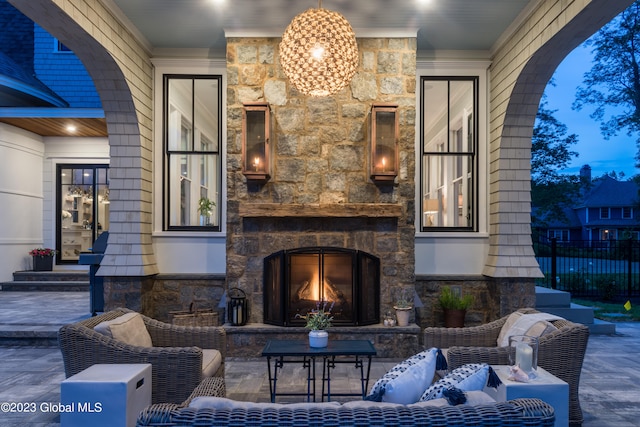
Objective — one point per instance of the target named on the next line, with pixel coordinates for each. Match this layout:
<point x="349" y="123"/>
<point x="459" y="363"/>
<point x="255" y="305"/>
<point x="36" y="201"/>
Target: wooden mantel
<point x="317" y="210"/>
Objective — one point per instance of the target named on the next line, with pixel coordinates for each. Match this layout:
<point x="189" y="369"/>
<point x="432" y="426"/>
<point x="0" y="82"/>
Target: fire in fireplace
<point x="296" y="280"/>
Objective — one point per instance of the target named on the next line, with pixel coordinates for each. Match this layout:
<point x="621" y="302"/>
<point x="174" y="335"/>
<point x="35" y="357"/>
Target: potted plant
<point x="403" y="306"/>
<point x="454" y="306"/>
<point x="318" y="321"/>
<point x="42" y="258"/>
<point x="205" y="208"/>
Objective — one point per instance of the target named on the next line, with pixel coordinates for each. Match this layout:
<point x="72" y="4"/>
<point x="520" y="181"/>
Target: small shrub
<point x="607" y="286"/>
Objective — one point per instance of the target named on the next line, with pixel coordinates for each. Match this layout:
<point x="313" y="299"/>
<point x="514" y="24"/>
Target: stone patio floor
<point x="609" y="386"/>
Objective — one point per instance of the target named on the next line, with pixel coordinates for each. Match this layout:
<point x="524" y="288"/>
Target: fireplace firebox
<point x="297" y="280"/>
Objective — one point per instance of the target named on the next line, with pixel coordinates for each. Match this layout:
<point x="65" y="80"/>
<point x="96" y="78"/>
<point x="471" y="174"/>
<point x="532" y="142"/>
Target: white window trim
<point x="449" y="259"/>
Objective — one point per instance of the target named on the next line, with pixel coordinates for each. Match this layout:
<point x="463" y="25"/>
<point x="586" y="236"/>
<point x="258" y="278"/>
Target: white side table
<point x="105" y="395"/>
<point x="546" y="387"/>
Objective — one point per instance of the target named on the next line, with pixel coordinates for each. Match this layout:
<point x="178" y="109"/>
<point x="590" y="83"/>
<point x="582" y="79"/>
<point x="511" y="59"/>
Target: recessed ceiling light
<point x="71" y="128"/>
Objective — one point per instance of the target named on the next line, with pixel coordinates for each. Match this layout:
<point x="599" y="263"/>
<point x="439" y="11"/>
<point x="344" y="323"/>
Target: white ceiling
<point x="442" y="25"/>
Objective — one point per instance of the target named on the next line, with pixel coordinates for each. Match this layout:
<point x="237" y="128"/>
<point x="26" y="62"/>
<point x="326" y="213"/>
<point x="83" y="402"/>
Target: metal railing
<point x="608" y="269"/>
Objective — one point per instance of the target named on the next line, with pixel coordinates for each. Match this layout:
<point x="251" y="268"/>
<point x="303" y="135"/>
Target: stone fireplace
<point x="300" y="280"/>
<point x="320" y="194"/>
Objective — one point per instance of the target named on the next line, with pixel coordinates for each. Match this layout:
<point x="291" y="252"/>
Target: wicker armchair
<point x="176" y="355"/>
<point x="560" y="352"/>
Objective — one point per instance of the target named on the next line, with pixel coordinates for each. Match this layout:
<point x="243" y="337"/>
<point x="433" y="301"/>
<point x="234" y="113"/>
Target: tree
<point x="551" y="191"/>
<point x="614" y="78"/>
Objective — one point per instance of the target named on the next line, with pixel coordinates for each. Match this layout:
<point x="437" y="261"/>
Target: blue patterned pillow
<point x="473" y="376"/>
<point x="429" y="361"/>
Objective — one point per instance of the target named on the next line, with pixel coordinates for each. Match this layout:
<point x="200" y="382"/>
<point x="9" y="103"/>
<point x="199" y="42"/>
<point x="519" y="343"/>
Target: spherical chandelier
<point x="319" y="52"/>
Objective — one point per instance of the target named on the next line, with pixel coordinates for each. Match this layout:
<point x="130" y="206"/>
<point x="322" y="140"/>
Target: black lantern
<point x="237" y="307"/>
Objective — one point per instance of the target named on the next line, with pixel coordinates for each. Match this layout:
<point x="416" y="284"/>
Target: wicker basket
<point x="194" y="317"/>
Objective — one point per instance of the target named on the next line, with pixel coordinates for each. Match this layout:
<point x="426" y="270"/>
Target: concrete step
<point x="28" y="335"/>
<point x="575" y="313"/>
<point x="602" y="327"/>
<point x="559" y="303"/>
<point x="51" y="276"/>
<point x="44" y="286"/>
<point x="546" y="297"/>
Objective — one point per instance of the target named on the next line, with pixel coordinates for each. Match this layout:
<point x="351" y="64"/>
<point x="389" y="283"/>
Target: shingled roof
<point x="18" y="88"/>
<point x="608" y="192"/>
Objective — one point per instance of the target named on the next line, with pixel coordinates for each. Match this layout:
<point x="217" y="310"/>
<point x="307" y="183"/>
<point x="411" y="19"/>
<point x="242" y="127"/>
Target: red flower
<point x="42" y="252"/>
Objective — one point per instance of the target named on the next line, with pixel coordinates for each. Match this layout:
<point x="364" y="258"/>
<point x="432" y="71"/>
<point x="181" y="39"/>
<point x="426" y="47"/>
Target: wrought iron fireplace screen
<point x="296" y="281"/>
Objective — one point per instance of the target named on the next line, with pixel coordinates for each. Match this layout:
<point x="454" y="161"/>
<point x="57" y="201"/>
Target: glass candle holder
<point x="524" y="354"/>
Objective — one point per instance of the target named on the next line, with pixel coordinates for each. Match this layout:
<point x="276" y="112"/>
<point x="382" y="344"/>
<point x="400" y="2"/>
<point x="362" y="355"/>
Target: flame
<point x="315" y="286"/>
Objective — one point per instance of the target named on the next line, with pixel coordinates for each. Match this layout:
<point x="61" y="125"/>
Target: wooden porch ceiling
<point x="84" y="127"/>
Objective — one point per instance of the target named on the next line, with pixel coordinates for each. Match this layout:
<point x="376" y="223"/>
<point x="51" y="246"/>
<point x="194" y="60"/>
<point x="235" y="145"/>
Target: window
<point x="60" y="48"/>
<point x="449" y="108"/>
<point x="561" y="235"/>
<point x="605" y="213"/>
<point x="192" y="134"/>
<point x="627" y="212"/>
<point x="83" y="208"/>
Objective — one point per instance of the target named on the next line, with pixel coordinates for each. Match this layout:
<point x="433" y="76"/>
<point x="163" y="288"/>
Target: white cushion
<point x="474" y="398"/>
<point x="128" y="328"/>
<point x="312" y="405"/>
<point x="534" y="324"/>
<point x="209" y="402"/>
<point x="366" y="404"/>
<point x="211" y="361"/>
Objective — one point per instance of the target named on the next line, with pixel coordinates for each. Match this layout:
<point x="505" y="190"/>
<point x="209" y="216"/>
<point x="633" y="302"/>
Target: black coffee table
<point x="349" y="351"/>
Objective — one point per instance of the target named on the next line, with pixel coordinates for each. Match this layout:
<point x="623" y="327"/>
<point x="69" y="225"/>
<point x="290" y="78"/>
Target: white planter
<point x="402" y="314"/>
<point x="318" y="339"/>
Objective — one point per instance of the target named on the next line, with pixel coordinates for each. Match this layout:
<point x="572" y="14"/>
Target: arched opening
<point x="126" y="101"/>
<point x="510" y="144"/>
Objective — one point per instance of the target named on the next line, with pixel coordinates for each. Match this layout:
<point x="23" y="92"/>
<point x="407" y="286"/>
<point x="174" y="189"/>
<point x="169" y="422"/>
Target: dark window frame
<point x="472" y="151"/>
<point x="167" y="153"/>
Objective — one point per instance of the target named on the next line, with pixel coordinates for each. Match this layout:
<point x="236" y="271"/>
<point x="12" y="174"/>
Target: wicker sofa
<point x="519" y="412"/>
<point x="560" y="352"/>
<point x="176" y="356"/>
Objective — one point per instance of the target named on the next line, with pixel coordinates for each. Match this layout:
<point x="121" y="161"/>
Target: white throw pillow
<point x="473" y="376"/>
<point x="409" y="385"/>
<point x="502" y="336"/>
<point x="429" y="361"/>
<point x="211" y="361"/>
<point x="128" y="328"/>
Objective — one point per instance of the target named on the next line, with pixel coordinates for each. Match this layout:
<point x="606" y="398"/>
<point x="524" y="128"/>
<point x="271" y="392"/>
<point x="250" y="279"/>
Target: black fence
<point x="606" y="270"/>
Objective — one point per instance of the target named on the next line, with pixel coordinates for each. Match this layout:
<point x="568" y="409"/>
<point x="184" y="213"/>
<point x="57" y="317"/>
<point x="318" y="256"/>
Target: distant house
<point x="608" y="210"/>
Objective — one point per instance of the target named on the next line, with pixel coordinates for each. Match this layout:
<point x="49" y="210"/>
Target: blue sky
<point x="616" y="154"/>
